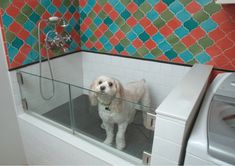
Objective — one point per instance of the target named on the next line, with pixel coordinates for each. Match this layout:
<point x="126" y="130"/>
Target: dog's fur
<point x="113" y="105"/>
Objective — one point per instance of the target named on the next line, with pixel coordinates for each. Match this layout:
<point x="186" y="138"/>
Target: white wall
<point x="11" y="149"/>
<point x="160" y="77"/>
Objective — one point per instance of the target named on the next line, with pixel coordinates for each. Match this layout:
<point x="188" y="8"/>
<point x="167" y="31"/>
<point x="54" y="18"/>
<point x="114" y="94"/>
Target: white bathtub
<point x="176" y="92"/>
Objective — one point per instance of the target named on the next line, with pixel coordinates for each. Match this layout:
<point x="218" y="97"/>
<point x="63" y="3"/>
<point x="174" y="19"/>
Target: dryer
<point x="212" y="140"/>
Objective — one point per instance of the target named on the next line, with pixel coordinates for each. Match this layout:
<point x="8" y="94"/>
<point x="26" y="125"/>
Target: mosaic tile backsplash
<point x="180" y="31"/>
<point x="19" y="20"/>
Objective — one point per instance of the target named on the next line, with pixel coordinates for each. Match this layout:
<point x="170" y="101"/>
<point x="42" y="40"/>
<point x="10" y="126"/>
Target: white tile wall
<point x="161" y="78"/>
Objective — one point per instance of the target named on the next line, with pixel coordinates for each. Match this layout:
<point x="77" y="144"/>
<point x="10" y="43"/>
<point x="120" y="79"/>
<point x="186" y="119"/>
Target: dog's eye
<point x="110" y="84"/>
<point x="100" y="82"/>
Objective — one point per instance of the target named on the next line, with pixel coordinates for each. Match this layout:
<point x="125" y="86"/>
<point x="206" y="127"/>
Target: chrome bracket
<point x="150" y="121"/>
<point x="24" y="104"/>
<point x="19" y="77"/>
<point x="146" y="158"/>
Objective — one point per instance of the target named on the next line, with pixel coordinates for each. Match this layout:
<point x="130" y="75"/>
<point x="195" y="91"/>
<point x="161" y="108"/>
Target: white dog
<point x="113" y="106"/>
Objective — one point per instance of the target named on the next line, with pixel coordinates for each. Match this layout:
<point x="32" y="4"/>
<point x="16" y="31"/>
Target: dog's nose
<point x="102" y="88"/>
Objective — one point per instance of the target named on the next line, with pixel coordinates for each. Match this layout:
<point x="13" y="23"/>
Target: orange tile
<point x="217" y="34"/>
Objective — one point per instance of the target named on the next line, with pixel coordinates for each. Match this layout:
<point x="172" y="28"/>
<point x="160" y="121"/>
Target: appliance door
<point x="221" y="128"/>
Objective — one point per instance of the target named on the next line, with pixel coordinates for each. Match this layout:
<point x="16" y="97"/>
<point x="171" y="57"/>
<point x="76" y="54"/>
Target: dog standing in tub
<point x="113" y="106"/>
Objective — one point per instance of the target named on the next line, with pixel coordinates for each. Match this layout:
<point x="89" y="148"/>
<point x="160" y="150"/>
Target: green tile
<point x="179" y="47"/>
<point x="102" y="15"/>
<point x="66" y="3"/>
<point x="172" y="39"/>
<point x="108" y="34"/>
<point x="92" y="15"/>
<point x="137" y="55"/>
<point x="212" y="8"/>
<point x="102" y="2"/>
<point x="93" y="38"/>
<point x="201" y="16"/>
<point x="125" y="42"/>
<point x="185" y="2"/>
<point x="159" y="23"/>
<point x="9" y="36"/>
<point x="156" y="52"/>
<point x="126" y="2"/>
<point x="205" y="42"/>
<point x="34" y="32"/>
<point x="120" y="21"/>
<point x="40" y="9"/>
<point x="76" y="3"/>
<point x="125" y="28"/>
<point x="21" y="18"/>
<point x="167" y="15"/>
<point x="195" y="49"/>
<point x="4" y="3"/>
<point x="93" y="27"/>
<point x="145" y="7"/>
<point x="138" y="14"/>
<point x="27" y="10"/>
<point x="192" y="62"/>
<point x="142" y="50"/>
<point x="35" y="47"/>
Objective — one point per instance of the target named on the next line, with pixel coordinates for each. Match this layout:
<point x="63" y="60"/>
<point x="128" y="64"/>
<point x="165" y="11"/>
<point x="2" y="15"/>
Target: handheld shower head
<point x="53" y="19"/>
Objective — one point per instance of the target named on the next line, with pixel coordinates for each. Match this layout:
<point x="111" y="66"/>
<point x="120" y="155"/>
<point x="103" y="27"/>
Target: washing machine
<point x="212" y="140"/>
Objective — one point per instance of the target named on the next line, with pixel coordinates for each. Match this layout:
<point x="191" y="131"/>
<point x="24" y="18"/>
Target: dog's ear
<point x="92" y="94"/>
<point x="120" y="89"/>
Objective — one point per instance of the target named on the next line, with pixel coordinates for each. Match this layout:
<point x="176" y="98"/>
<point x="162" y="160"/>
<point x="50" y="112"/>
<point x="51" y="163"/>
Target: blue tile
<point x="125" y="14"/>
<point x="72" y="9"/>
<point x="91" y="3"/>
<point x="158" y="38"/>
<point x="103" y="40"/>
<point x="153" y="2"/>
<point x="209" y="25"/>
<point x="34" y="18"/>
<point x="51" y="9"/>
<point x="33" y="55"/>
<point x="72" y="22"/>
<point x="149" y="56"/>
<point x="88" y="33"/>
<point x="171" y="54"/>
<point x="204" y="2"/>
<point x="31" y="40"/>
<point x="87" y="9"/>
<point x="186" y="56"/>
<point x="84" y="38"/>
<point x="119" y="48"/>
<point x="119" y="7"/>
<point x="131" y="36"/>
<point x="164" y="46"/>
<point x="45" y="3"/>
<point x="176" y="6"/>
<point x="190" y="24"/>
<point x="183" y="15"/>
<point x="113" y="2"/>
<point x="12" y="51"/>
<point x="7" y="20"/>
<point x="108" y="21"/>
<point x="28" y="25"/>
<point x="62" y="9"/>
<point x="77" y="27"/>
<point x="108" y="46"/>
<point x="138" y="29"/>
<point x="17" y="43"/>
<point x="152" y="15"/>
<point x="181" y="32"/>
<point x="131" y="50"/>
<point x="97" y="21"/>
<point x="203" y="57"/>
<point x="139" y="2"/>
<point x="113" y="27"/>
<point x="144" y="36"/>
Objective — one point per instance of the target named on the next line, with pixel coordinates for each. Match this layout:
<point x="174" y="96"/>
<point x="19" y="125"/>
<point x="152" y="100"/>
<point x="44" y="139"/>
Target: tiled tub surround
<point x="19" y="20"/>
<point x="178" y="31"/>
<point x="162" y="81"/>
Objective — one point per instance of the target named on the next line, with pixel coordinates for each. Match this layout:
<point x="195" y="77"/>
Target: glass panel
<point x="90" y="120"/>
<point x="57" y="108"/>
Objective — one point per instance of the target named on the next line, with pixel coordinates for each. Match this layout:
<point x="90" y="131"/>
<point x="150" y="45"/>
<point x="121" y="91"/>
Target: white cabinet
<point x="225" y="1"/>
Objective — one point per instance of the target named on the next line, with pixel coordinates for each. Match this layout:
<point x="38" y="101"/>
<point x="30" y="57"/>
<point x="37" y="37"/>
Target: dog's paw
<point x="120" y="146"/>
<point x="107" y="141"/>
<point x="102" y="126"/>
